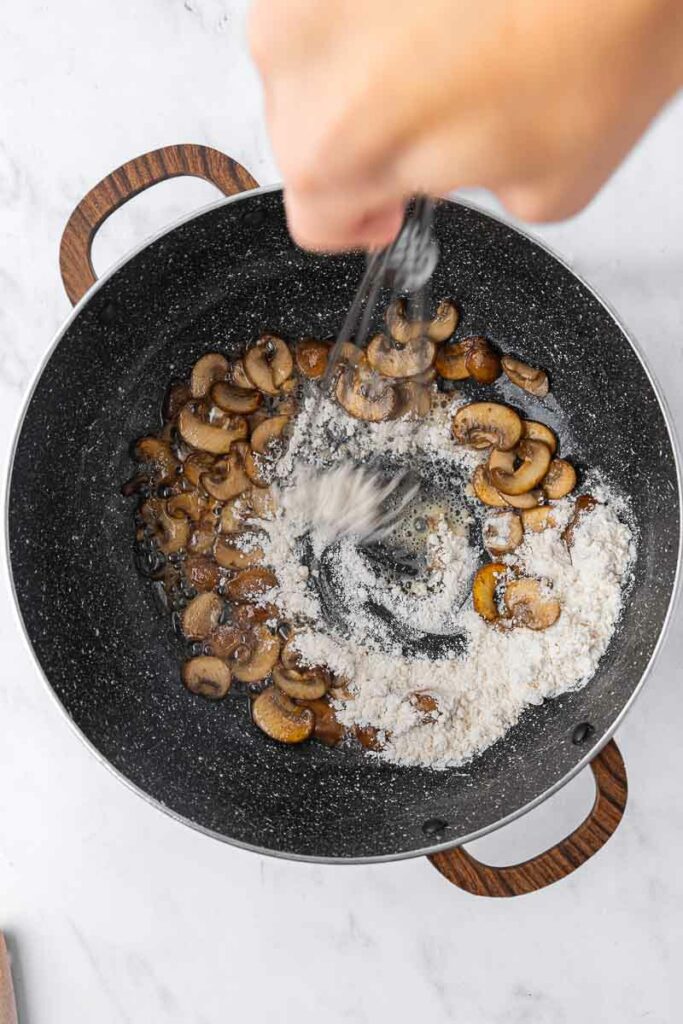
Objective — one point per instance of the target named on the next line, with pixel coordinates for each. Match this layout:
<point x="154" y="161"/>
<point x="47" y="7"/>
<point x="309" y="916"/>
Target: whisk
<point x="404" y="267"/>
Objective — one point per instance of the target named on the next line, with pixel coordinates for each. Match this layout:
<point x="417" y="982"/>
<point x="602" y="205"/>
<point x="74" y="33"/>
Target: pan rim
<point x="369" y="858"/>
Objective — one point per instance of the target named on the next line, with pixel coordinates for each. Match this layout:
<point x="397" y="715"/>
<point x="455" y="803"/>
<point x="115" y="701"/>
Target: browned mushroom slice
<point x="258" y="657"/>
<point x="584" y="503"/>
<point x="450" y="362"/>
<point x="227" y="478"/>
<point x="392" y="360"/>
<point x="522" y="501"/>
<point x="502" y="533"/>
<point x="534" y="459"/>
<point x="248" y="615"/>
<point x="445" y="321"/>
<point x="207" y="676"/>
<point x="188" y="504"/>
<point x="201" y="572"/>
<point x="327" y="728"/>
<point x="291" y="658"/>
<point x="172" y="535"/>
<point x="238" y="375"/>
<point x="530" y="605"/>
<point x="535" y="520"/>
<point x="158" y="454"/>
<point x="535" y="431"/>
<point x="481" y="362"/>
<point x="350" y="354"/>
<point x="414" y="400"/>
<point x="224" y="640"/>
<point x="401" y="328"/>
<point x="426" y="706"/>
<point x="365" y="395"/>
<point x="233" y="515"/>
<point x="487" y="425"/>
<point x="560" y="479"/>
<point x="262" y="502"/>
<point x="280" y="718"/>
<point x="267" y="437"/>
<point x="206" y="371"/>
<point x="486" y="581"/>
<point x="530" y="378"/>
<point x="250" y="584"/>
<point x="369" y="737"/>
<point x="484" y="489"/>
<point x="311" y="357"/>
<point x="230" y="555"/>
<point x="233" y="399"/>
<point x="206" y="436"/>
<point x="300" y="685"/>
<point x="195" y="465"/>
<point x="268" y="364"/>
<point x="201" y="616"/>
<point x="258" y="468"/>
<point x="176" y="397"/>
<point x="202" y="537"/>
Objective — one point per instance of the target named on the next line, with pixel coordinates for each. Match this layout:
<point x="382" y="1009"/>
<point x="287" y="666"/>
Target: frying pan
<point x="215" y="281"/>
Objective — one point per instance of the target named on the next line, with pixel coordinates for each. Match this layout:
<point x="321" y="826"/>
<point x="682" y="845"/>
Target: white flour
<point x="481" y="691"/>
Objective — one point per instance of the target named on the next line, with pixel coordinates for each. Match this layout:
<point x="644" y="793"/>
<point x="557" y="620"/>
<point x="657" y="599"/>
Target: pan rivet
<point x="582" y="732"/>
<point x="433" y="826"/>
<point x="108" y="314"/>
<point x="253" y="218"/>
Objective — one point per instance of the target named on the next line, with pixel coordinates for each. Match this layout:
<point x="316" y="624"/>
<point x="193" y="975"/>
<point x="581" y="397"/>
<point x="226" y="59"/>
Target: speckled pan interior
<point x="216" y="282"/>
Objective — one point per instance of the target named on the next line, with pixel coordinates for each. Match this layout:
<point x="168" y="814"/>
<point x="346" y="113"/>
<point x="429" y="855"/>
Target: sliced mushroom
<point x="414" y="400"/>
<point x="534" y="459"/>
<point x="195" y="465"/>
<point x="311" y="357"/>
<point x="206" y="371"/>
<point x="202" y="537"/>
<point x="233" y="516"/>
<point x="560" y="479"/>
<point x="536" y="520"/>
<point x="280" y="718"/>
<point x="258" y="468"/>
<point x="530" y="378"/>
<point x="238" y="376"/>
<point x="484" y="489"/>
<point x="207" y="437"/>
<point x="445" y="321"/>
<point x="176" y="397"/>
<point x="584" y="503"/>
<point x="248" y="615"/>
<point x="226" y="639"/>
<point x="523" y="501"/>
<point x="400" y="327"/>
<point x="530" y="605"/>
<point x="369" y="737"/>
<point x="201" y="616"/>
<point x="230" y="556"/>
<point x="172" y="535"/>
<point x="481" y="362"/>
<point x="201" y="572"/>
<point x="259" y="656"/>
<point x="300" y="685"/>
<point x="262" y="502"/>
<point x="267" y="438"/>
<point x="233" y="399"/>
<point x="364" y="395"/>
<point x="535" y="431"/>
<point x="407" y="360"/>
<point x="188" y="504"/>
<point x="487" y="425"/>
<point x="158" y="454"/>
<point x="227" y="478"/>
<point x="451" y="362"/>
<point x="502" y="533"/>
<point x="291" y="657"/>
<point x="486" y="581"/>
<point x="250" y="584"/>
<point x="350" y="354"/>
<point x="269" y="363"/>
<point x="327" y="728"/>
<point x="426" y="706"/>
<point x="207" y="677"/>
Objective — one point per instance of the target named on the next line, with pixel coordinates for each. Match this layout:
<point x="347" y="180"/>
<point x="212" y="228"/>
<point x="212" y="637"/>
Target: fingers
<point x="335" y="221"/>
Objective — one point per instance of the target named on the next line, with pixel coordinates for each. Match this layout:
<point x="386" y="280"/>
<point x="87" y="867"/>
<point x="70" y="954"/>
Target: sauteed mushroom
<point x="487" y="425"/>
<point x="158" y="454"/>
<point x="502" y="533"/>
<point x="530" y="378"/>
<point x="268" y="363"/>
<point x="327" y="728"/>
<point x="535" y="520"/>
<point x="227" y="478"/>
<point x="237" y="375"/>
<point x="400" y="327"/>
<point x="534" y="459"/>
<point x="451" y="362"/>
<point x="559" y="480"/>
<point x="400" y="361"/>
<point x="207" y="676"/>
<point x="300" y="685"/>
<point x="206" y="436"/>
<point x="530" y="605"/>
<point x="201" y="616"/>
<point x="522" y="501"/>
<point x="486" y="581"/>
<point x="539" y="432"/>
<point x="444" y="322"/>
<point x="206" y="371"/>
<point x="256" y="658"/>
<point x="484" y="489"/>
<point x="230" y="556"/>
<point x="267" y="437"/>
<point x="233" y="399"/>
<point x="201" y="572"/>
<point x="481" y="362"/>
<point x="280" y="718"/>
<point x="364" y="395"/>
<point x="250" y="584"/>
<point x="584" y="503"/>
<point x="311" y="357"/>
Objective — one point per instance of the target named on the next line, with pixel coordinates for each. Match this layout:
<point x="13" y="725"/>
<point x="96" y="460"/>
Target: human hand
<point x="370" y="101"/>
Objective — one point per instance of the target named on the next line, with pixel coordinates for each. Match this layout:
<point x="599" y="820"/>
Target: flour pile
<point x="481" y="686"/>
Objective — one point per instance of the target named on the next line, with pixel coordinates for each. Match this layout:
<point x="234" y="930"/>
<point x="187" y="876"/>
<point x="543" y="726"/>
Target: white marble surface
<point x="115" y="912"/>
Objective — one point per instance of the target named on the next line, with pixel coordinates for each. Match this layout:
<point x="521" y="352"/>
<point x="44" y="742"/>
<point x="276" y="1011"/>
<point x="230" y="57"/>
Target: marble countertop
<point x="114" y="912"/>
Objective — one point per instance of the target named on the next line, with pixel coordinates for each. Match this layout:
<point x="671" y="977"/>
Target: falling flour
<point x="481" y="690"/>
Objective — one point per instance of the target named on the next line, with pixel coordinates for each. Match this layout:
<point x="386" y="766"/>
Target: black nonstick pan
<point x="214" y="282"/>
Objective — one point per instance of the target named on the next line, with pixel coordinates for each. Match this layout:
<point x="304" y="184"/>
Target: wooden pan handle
<point x="75" y="251"/>
<point x="8" y="1007"/>
<point x="463" y="870"/>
